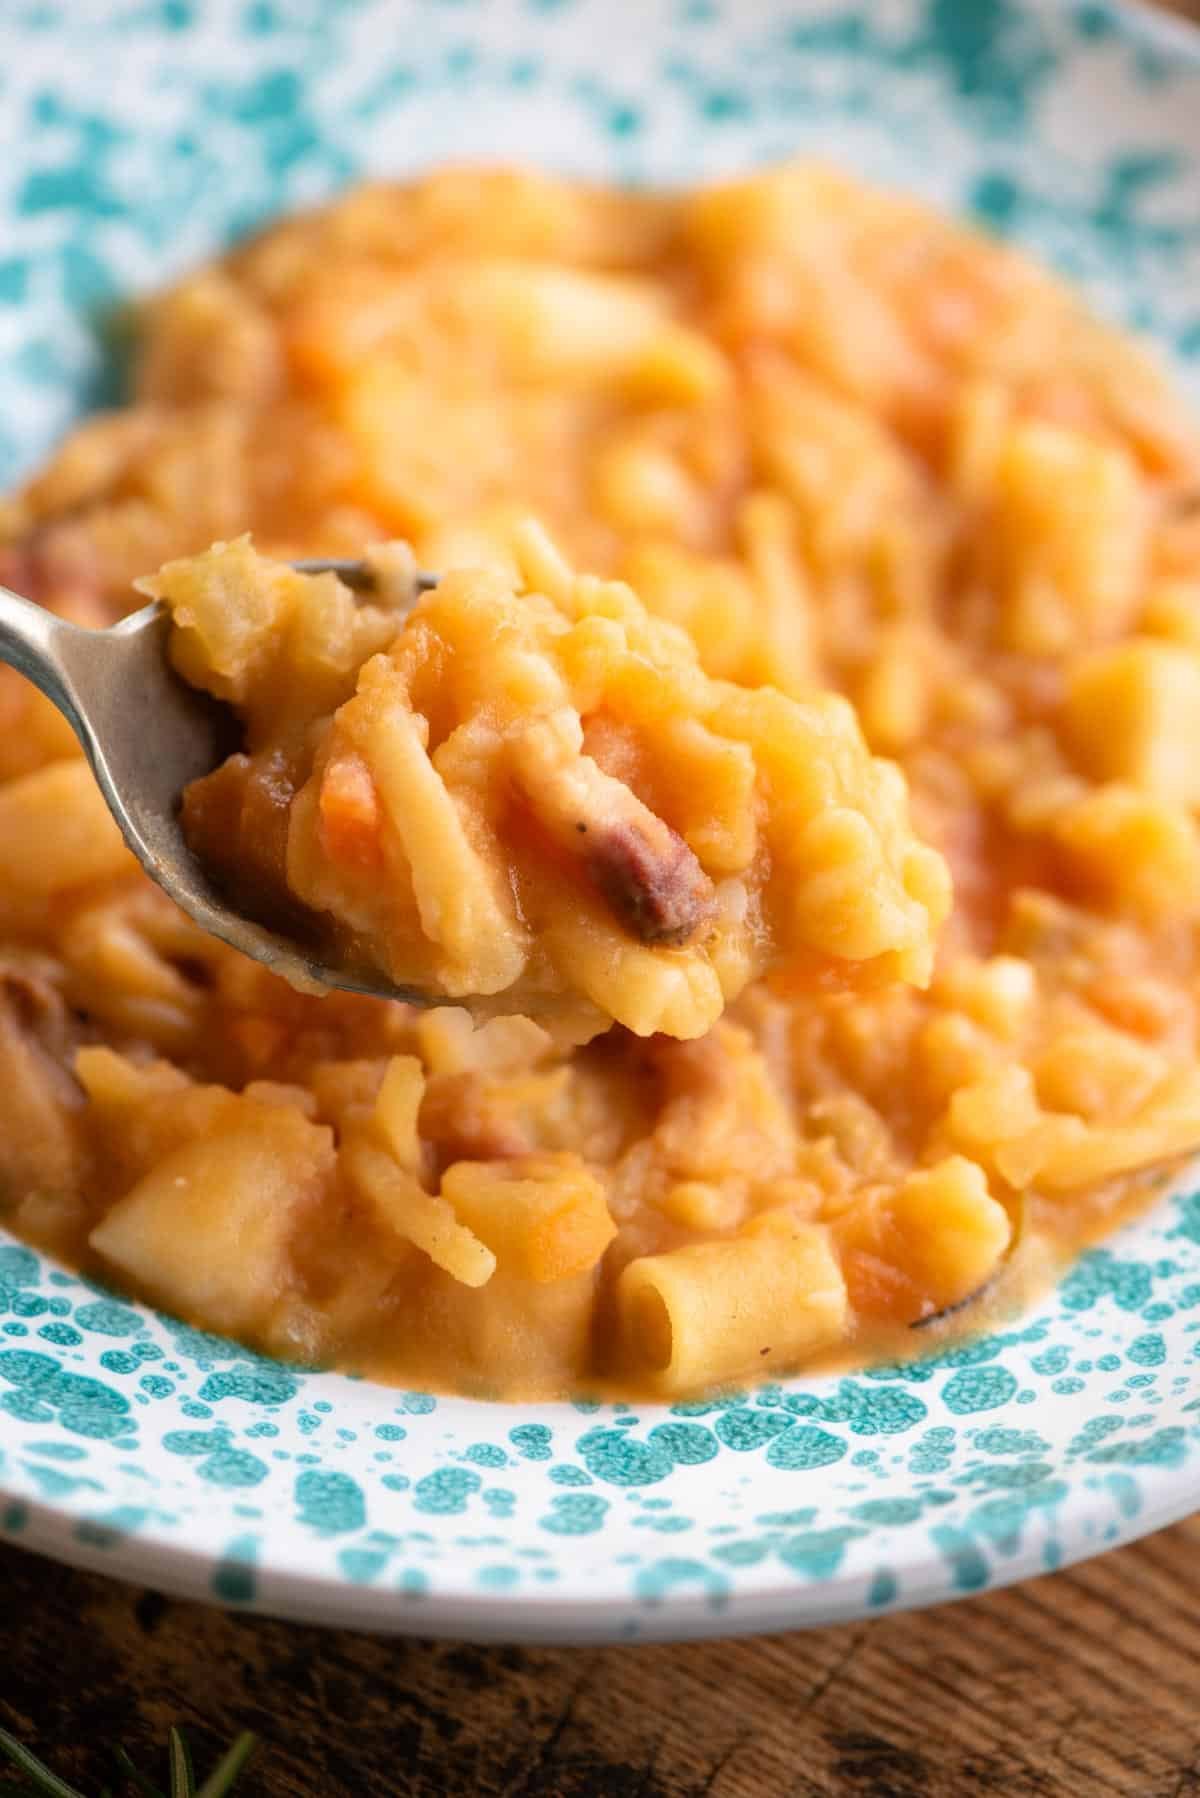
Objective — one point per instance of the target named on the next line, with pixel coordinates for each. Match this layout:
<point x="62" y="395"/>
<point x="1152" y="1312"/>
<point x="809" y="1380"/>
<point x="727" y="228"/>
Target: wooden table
<point x="1086" y="1683"/>
<point x="1083" y="1685"/>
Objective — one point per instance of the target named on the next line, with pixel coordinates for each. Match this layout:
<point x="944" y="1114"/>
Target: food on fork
<point x="527" y="794"/>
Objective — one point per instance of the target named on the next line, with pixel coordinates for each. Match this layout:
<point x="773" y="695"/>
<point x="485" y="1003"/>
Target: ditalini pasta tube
<point x="714" y="1311"/>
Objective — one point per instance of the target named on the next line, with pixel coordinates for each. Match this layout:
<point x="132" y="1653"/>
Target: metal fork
<point x="147" y="734"/>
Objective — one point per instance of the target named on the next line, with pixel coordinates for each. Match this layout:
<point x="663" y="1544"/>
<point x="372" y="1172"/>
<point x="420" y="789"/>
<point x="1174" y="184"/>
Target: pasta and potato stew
<point x="707" y="475"/>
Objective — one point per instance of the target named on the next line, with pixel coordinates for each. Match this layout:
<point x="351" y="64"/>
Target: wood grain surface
<point x="1083" y="1685"/>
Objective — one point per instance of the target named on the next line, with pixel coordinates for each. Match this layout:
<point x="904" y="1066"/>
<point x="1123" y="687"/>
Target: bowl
<point x="138" y="138"/>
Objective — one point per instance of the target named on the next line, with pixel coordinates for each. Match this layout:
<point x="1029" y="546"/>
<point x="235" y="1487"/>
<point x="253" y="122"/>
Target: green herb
<point x="137" y="1780"/>
<point x="40" y="1782"/>
<point x="43" y="1779"/>
<point x="183" y="1780"/>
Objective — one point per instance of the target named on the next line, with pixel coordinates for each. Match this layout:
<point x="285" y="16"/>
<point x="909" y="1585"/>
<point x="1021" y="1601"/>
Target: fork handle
<point x="32" y="641"/>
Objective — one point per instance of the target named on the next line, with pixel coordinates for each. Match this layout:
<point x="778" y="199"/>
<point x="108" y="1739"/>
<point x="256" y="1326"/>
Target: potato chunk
<point x="1070" y="530"/>
<point x="1133" y="851"/>
<point x="544" y="1217"/>
<point x="1132" y="713"/>
<point x="207" y="1230"/>
<point x="270" y="641"/>
<point x="928" y="1244"/>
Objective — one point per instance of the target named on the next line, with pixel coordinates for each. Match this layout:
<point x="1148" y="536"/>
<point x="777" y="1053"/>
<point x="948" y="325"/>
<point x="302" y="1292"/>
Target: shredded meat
<point x="37" y="1036"/>
<point x="643" y="869"/>
<point x="658" y="890"/>
<point x="236" y="820"/>
<point x="465" y="1118"/>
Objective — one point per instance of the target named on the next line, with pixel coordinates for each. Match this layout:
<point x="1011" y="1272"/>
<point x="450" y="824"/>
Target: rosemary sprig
<point x="181" y="1778"/>
<point x="137" y="1780"/>
<point x="41" y="1776"/>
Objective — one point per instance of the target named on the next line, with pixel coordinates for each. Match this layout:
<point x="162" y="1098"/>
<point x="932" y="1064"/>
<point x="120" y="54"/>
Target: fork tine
<point x="356" y="575"/>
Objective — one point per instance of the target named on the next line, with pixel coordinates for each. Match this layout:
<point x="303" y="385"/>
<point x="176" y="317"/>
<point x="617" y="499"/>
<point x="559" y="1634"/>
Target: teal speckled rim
<point x="130" y="1443"/>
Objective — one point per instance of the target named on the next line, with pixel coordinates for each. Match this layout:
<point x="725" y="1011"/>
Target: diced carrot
<point x="344" y="316"/>
<point x="808" y="973"/>
<point x="350" y="814"/>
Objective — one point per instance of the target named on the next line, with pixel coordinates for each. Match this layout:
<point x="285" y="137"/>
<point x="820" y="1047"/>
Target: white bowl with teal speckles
<point x="138" y="135"/>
